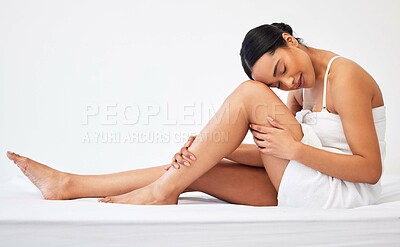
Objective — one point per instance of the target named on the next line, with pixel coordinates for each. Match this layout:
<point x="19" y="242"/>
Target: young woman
<point x="324" y="149"/>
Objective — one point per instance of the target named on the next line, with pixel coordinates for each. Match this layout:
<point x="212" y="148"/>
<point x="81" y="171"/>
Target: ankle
<point x="67" y="185"/>
<point x="163" y="192"/>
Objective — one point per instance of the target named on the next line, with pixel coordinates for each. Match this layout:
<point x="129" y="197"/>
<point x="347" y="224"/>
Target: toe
<point x="10" y="155"/>
<point x="13" y="156"/>
<point x="105" y="199"/>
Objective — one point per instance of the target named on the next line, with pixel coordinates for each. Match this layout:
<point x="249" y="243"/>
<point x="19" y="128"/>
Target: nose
<point x="289" y="81"/>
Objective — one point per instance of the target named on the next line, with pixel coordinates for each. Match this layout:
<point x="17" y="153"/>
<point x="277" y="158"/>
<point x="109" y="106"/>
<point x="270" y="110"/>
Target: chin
<point x="309" y="85"/>
<point x="309" y="82"/>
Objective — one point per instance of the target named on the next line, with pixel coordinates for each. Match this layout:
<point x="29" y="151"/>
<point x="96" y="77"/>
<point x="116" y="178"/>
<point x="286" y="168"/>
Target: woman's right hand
<point x="183" y="157"/>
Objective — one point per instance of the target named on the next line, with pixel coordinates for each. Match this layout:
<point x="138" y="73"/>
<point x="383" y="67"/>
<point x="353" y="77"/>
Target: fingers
<point x="275" y="123"/>
<point x="184" y="156"/>
<point x="267" y="129"/>
<point x="184" y="150"/>
<point x="260" y="128"/>
<point x="190" y="141"/>
<point x="259" y="142"/>
<point x="261" y="134"/>
<point x="174" y="163"/>
<point x="187" y="154"/>
<point x="181" y="160"/>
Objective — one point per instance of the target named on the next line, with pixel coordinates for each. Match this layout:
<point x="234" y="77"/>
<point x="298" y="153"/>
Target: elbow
<point x="375" y="174"/>
<point x="374" y="180"/>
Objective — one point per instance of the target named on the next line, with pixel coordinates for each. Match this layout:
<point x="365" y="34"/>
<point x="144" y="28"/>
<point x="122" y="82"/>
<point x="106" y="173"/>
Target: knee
<point x="251" y="89"/>
<point x="253" y="85"/>
<point x="251" y="92"/>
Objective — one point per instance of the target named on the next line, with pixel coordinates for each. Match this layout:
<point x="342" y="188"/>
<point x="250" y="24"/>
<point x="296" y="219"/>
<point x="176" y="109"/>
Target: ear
<point x="290" y="40"/>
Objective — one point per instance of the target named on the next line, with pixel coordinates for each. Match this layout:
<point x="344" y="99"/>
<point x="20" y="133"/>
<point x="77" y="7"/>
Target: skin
<point x="347" y="82"/>
<point x="244" y="173"/>
<point x="364" y="166"/>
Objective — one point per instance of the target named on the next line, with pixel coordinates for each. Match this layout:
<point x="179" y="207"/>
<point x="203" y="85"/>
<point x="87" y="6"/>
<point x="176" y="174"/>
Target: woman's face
<point x="290" y="68"/>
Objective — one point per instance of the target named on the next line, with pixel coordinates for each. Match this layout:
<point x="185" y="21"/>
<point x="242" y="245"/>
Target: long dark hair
<point x="260" y="40"/>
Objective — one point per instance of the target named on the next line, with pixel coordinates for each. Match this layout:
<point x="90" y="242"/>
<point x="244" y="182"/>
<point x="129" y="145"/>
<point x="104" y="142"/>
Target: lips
<point x="300" y="82"/>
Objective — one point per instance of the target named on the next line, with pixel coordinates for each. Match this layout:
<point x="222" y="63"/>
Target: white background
<point x="61" y="61"/>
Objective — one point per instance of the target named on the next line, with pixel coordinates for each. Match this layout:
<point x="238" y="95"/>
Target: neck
<point x="319" y="59"/>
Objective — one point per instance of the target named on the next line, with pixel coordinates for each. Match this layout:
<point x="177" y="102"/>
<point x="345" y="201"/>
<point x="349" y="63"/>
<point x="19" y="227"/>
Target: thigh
<point x="238" y="184"/>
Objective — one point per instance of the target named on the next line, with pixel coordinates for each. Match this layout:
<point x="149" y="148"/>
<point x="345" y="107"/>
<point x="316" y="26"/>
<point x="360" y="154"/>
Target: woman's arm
<point x="351" y="94"/>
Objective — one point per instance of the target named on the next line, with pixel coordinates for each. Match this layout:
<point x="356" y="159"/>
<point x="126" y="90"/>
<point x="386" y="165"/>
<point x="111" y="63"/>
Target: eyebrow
<point x="276" y="67"/>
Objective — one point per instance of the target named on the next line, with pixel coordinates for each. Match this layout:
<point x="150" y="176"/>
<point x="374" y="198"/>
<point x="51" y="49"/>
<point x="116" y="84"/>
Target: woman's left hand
<point x="276" y="140"/>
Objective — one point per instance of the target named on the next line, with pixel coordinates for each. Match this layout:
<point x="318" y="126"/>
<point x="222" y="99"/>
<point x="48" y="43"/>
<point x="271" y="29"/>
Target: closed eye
<point x="277" y="84"/>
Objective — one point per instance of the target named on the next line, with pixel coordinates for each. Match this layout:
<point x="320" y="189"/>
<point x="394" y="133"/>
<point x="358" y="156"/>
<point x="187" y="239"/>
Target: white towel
<point x="302" y="186"/>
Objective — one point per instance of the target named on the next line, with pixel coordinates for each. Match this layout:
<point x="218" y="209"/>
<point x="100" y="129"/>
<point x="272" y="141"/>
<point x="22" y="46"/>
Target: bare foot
<point x="147" y="195"/>
<point x="50" y="182"/>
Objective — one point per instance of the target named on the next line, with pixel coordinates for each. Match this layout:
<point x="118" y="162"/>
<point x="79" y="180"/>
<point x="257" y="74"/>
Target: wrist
<point x="299" y="151"/>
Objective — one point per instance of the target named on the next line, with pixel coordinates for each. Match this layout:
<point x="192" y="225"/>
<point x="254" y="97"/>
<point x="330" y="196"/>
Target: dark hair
<point x="260" y="40"/>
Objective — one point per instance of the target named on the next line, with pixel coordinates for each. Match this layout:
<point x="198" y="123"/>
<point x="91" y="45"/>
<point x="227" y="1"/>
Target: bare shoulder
<point x="347" y="72"/>
<point x="346" y="77"/>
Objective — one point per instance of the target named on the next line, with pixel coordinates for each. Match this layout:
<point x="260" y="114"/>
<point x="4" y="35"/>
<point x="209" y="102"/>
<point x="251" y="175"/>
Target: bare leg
<point x="255" y="98"/>
<point x="57" y="185"/>
<point x="250" y="102"/>
<point x="50" y="182"/>
<point x="228" y="180"/>
<point x="237" y="183"/>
